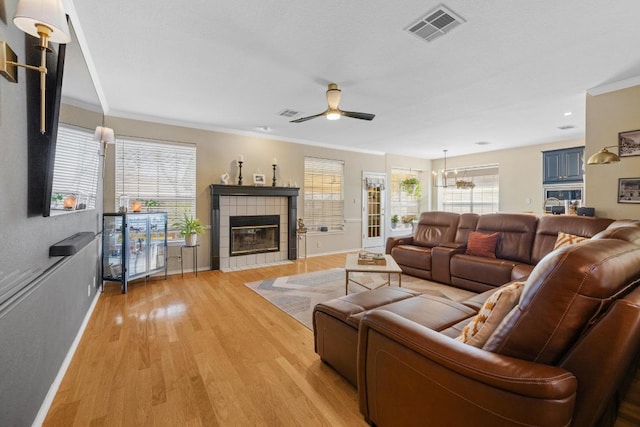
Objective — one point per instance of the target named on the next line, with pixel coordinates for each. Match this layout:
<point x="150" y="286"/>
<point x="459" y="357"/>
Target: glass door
<point x="157" y="232"/>
<point x="137" y="230"/>
<point x="112" y="246"/>
<point x="373" y="210"/>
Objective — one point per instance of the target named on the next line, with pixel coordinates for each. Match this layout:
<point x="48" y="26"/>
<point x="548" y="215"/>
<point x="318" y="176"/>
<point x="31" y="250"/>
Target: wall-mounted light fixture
<point x="444" y="174"/>
<point x="104" y="135"/>
<point x="604" y="157"/>
<point x="46" y="20"/>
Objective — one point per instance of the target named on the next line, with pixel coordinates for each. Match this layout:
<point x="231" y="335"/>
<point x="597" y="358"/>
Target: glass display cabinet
<point x="134" y="246"/>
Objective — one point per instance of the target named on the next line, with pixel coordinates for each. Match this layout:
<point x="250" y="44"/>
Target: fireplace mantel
<point x="219" y="190"/>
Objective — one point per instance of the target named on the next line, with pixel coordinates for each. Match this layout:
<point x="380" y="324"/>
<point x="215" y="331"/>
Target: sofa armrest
<point x="441" y="258"/>
<point x="395" y="241"/>
<point x="453" y="245"/>
<point x="408" y="372"/>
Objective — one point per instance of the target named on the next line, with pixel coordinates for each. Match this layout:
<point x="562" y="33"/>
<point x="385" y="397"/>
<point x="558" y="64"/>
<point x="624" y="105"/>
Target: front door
<point x="373" y="190"/>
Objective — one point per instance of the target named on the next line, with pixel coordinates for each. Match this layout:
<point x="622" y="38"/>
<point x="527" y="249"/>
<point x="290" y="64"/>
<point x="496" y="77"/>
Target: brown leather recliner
<point x="413" y="253"/>
<point x="559" y="357"/>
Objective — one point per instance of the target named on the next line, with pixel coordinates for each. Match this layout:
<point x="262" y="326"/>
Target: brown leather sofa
<point x="537" y="369"/>
<point x="559" y="358"/>
<point x="432" y="253"/>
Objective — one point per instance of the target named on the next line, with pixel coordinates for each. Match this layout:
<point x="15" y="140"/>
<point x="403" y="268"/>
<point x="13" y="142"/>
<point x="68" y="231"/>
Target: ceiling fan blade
<point x="356" y="115"/>
<point x="304" y="119"/>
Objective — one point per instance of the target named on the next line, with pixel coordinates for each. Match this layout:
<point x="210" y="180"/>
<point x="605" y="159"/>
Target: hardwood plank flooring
<point x="208" y="351"/>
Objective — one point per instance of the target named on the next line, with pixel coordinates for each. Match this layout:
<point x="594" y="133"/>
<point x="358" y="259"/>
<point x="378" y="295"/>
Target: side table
<point x="194" y="261"/>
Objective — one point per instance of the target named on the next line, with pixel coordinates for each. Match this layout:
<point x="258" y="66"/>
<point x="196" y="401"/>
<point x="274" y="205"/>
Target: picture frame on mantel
<point x="629" y="190"/>
<point x="629" y="143"/>
<point x="258" y="179"/>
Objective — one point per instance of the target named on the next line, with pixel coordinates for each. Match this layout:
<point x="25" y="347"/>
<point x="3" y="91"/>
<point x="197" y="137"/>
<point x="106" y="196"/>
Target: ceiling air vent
<point x="289" y="113"/>
<point x="436" y="23"/>
<point x="566" y="127"/>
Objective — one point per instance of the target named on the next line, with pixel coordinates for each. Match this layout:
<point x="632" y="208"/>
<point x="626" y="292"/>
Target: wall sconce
<point x="604" y="157"/>
<point x="104" y="135"/>
<point x="46" y="20"/>
<point x="444" y="174"/>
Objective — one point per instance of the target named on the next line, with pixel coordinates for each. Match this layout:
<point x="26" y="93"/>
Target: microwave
<point x="572" y="194"/>
<point x="557" y="195"/>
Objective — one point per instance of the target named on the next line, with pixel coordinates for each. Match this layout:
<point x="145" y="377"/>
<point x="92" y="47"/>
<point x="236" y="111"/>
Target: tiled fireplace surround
<point x="232" y="200"/>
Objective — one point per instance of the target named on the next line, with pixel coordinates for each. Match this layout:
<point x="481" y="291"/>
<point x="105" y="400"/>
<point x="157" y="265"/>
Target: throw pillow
<point x="480" y="328"/>
<point x="566" y="239"/>
<point x="482" y="244"/>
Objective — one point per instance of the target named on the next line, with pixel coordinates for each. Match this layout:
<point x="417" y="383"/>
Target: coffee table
<point x="352" y="266"/>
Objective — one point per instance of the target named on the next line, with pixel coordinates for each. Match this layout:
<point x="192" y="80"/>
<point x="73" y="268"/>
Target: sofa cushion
<point x="437" y="313"/>
<point x="489" y="271"/>
<point x="550" y="225"/>
<point x="481" y="244"/>
<point x="517" y="232"/>
<point x="434" y="228"/>
<point x="565" y="293"/>
<point x="494" y="309"/>
<point x="566" y="239"/>
<point x="412" y="256"/>
<point x="629" y="233"/>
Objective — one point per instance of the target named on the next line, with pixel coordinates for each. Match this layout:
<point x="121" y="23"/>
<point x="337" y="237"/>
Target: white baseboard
<point x="53" y="389"/>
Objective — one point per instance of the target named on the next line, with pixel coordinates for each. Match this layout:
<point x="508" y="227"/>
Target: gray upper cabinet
<point x="564" y="165"/>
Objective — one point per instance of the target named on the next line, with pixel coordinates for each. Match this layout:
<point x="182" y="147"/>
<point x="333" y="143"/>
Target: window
<point x="482" y="196"/>
<point x="75" y="178"/>
<point x="323" y="194"/>
<point x="403" y="203"/>
<point x="160" y="174"/>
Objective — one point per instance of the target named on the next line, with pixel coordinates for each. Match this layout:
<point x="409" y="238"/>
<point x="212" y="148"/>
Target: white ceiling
<point x="506" y="76"/>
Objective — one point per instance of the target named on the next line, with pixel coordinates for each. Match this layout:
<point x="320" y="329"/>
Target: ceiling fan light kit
<point x="333" y="112"/>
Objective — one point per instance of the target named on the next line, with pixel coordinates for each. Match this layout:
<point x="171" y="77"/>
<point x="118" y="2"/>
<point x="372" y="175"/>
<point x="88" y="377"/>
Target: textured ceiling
<point x="506" y="76"/>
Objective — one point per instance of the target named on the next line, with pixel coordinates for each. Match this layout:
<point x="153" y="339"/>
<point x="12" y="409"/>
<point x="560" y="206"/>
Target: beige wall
<point x="608" y="114"/>
<point x="217" y="153"/>
<point x="520" y="173"/>
<point x="520" y="168"/>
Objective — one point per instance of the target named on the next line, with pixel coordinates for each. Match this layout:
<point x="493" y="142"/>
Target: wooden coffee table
<point x="352" y="266"/>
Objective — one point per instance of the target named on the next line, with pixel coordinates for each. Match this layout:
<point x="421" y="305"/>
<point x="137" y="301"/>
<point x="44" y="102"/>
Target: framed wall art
<point x="258" y="179"/>
<point x="629" y="143"/>
<point x="629" y="190"/>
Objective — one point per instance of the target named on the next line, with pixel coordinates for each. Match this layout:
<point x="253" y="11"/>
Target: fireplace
<point x="254" y="234"/>
<point x="243" y="200"/>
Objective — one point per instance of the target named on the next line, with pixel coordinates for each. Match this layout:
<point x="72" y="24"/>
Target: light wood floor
<point x="208" y="351"/>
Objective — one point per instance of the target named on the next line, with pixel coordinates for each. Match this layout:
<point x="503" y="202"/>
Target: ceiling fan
<point x="333" y="112"/>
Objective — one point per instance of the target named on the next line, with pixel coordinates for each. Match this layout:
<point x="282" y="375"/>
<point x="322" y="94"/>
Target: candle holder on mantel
<point x="273" y="182"/>
<point x="240" y="173"/>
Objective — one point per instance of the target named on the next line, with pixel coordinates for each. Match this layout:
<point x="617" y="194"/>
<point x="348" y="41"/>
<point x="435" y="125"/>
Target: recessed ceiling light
<point x="568" y="113"/>
<point x="482" y="143"/>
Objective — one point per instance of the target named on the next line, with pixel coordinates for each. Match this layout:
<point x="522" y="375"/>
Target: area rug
<point x="297" y="295"/>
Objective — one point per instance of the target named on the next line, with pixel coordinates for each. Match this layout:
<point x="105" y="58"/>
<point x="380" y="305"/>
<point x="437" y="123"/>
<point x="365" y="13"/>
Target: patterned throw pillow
<point x="566" y="239"/>
<point x="480" y="328"/>
<point x="482" y="244"/>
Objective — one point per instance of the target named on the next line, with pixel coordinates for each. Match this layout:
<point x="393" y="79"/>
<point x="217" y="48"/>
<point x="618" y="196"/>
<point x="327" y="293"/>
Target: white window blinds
<point x="76" y="167"/>
<point x="483" y="197"/>
<point x="323" y="194"/>
<point x="160" y="172"/>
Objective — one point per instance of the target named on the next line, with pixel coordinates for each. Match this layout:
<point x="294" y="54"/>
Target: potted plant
<point x="151" y="205"/>
<point x="394" y="221"/>
<point x="411" y="186"/>
<point x="189" y="227"/>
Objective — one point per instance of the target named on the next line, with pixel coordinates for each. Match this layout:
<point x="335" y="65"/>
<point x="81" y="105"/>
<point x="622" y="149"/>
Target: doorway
<point x="373" y="210"/>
